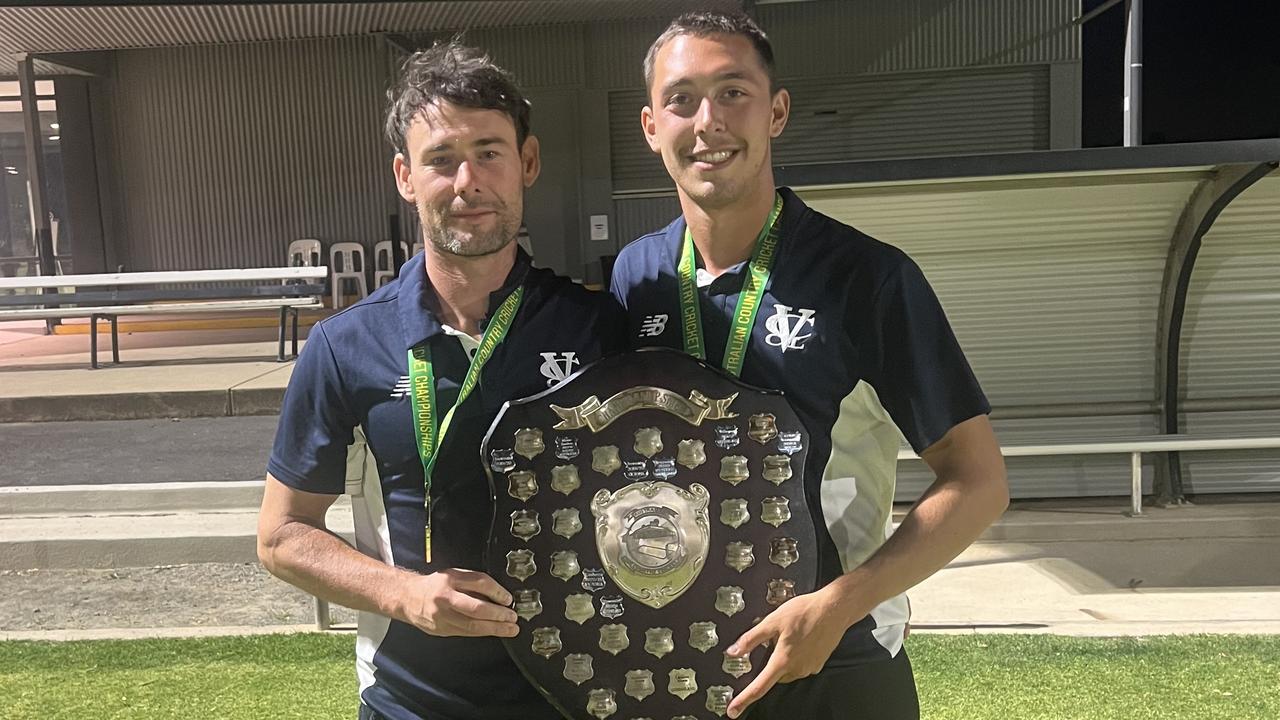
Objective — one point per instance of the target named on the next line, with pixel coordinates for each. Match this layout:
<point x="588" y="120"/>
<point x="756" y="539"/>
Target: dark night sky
<point x="1211" y="71"/>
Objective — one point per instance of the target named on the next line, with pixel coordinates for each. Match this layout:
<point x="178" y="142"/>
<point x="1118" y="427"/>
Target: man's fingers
<point x="466" y="627"/>
<point x="752" y="638"/>
<point x="767" y="678"/>
<point x="474" y="608"/>
<point x="478" y="583"/>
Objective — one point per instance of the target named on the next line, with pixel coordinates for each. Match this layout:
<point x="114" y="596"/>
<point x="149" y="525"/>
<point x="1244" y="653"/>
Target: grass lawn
<point x="1004" y="677"/>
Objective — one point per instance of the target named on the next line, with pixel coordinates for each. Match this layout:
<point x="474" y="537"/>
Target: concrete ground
<point x="1080" y="568"/>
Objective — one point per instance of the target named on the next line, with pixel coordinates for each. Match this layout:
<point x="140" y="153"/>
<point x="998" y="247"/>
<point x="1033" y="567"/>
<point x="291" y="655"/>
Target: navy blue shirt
<point x="851" y="332"/>
<point x="353" y="372"/>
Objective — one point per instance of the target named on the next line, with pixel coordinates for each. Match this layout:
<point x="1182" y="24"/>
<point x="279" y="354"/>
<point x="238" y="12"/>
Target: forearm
<point x="325" y="565"/>
<point x="950" y="516"/>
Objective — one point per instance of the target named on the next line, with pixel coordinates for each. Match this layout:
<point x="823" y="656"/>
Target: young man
<point x="850" y="330"/>
<point x="426" y="362"/>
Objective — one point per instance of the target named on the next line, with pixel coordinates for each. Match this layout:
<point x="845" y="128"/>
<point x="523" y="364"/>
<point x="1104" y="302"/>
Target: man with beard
<point x="422" y="367"/>
<point x="853" y="334"/>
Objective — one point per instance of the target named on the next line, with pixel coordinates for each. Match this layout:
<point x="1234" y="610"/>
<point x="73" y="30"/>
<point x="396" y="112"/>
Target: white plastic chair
<point x="384" y="269"/>
<point x="346" y="262"/>
<point x="306" y="252"/>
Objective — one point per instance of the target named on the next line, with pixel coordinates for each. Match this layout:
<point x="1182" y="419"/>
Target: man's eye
<point x="490" y="154"/>
<point x="678" y="99"/>
<point x="734" y="93"/>
<point x="438" y="161"/>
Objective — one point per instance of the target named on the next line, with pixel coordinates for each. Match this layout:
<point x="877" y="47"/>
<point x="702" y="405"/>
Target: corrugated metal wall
<point x="539" y="56"/>
<point x="873" y="36"/>
<point x="1231" y="339"/>
<point x="1052" y="286"/>
<point x="639" y="216"/>
<point x="224" y="154"/>
<point x="881" y="116"/>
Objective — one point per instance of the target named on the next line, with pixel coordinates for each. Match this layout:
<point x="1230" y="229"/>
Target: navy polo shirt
<point x="851" y="332"/>
<point x="353" y="372"/>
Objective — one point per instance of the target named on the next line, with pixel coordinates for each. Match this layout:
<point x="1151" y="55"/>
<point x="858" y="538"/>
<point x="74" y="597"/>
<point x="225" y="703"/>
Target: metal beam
<point x="1204" y="206"/>
<point x="35" y="173"/>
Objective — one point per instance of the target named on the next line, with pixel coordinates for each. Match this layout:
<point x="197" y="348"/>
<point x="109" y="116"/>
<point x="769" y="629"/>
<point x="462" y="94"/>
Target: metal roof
<point x="74" y="28"/>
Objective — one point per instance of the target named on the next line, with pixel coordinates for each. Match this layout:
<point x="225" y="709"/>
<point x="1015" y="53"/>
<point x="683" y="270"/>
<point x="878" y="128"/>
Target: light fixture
<point x="13" y="172"/>
<point x="10" y="167"/>
<point x="54" y="126"/>
<point x="55" y="137"/>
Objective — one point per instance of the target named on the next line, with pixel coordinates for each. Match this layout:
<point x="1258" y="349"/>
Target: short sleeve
<point x="620" y="281"/>
<point x="916" y="365"/>
<point x="316" y="424"/>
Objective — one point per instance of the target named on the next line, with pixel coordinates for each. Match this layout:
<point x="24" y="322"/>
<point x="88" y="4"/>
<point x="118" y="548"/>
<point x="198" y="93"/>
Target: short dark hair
<point x="705" y="24"/>
<point x="456" y="73"/>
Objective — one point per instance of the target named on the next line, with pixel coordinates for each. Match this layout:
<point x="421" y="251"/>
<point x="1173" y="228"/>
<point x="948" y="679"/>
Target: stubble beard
<point x="476" y="243"/>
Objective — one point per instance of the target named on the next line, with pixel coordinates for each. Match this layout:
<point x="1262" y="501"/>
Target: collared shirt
<point x="353" y="372"/>
<point x="851" y="332"/>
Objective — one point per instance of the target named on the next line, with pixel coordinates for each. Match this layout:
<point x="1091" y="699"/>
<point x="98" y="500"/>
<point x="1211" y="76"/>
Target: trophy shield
<point x="669" y="530"/>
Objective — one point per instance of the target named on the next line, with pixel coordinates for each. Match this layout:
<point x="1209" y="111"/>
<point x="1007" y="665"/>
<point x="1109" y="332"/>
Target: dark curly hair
<point x="456" y="73"/>
<point x="704" y="24"/>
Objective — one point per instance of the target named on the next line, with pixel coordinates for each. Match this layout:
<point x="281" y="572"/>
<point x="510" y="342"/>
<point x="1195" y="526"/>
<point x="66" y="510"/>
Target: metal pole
<point x="1135" y="491"/>
<point x="323" y="621"/>
<point x="1133" y="74"/>
<point x="35" y="174"/>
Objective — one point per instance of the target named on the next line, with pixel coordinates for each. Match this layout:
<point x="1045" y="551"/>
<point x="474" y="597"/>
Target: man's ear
<point x="650" y="128"/>
<point x="400" y="166"/>
<point x="781" y="112"/>
<point x="530" y="160"/>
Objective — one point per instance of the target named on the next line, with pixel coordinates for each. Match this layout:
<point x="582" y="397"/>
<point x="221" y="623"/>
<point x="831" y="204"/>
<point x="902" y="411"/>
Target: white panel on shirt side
<point x="373" y="538"/>
<point x="857" y="495"/>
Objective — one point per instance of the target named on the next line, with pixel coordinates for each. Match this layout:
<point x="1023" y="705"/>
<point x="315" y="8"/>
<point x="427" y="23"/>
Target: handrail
<point x="1135" y="448"/>
<point x="164" y="276"/>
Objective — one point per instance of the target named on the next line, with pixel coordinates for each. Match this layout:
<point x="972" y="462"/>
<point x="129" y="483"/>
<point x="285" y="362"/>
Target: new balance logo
<point x="653" y="325"/>
<point x="558" y="366"/>
<point x="401" y="388"/>
<point x="786" y="328"/>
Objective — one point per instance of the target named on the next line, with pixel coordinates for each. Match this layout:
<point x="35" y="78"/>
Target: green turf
<point x="1004" y="677"/>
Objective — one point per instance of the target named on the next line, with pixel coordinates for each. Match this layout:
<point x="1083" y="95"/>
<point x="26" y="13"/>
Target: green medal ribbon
<point x="422" y="381"/>
<point x="744" y="316"/>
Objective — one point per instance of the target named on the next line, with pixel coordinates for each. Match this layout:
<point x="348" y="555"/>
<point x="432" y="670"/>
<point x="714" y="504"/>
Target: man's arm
<point x="295" y="545"/>
<point x="970" y="492"/>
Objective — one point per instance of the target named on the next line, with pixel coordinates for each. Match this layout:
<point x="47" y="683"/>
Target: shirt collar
<point x="418" y="322"/>
<point x="789" y="222"/>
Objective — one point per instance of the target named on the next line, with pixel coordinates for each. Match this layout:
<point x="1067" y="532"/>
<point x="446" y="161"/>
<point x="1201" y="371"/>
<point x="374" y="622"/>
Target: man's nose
<point x="464" y="180"/>
<point x="708" y="118"/>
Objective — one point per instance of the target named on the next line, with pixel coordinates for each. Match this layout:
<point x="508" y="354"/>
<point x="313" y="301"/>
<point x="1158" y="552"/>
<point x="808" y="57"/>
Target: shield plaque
<point x="673" y="525"/>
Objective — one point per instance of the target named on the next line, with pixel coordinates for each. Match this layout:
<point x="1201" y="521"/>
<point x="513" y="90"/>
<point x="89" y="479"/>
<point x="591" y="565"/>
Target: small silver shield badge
<point x="718" y="697"/>
<point x="761" y="428"/>
<point x="520" y="564"/>
<point x="736" y="666"/>
<point x="605" y="459"/>
<point x="783" y="551"/>
<point x="613" y="638"/>
<point x="593" y="579"/>
<point x="739" y="555"/>
<point x="639" y="684"/>
<point x="611" y="606"/>
<point x="525" y="524"/>
<point x="528" y="603"/>
<point x="566" y="522"/>
<point x="602" y="703"/>
<point x="780" y="591"/>
<point x="691" y="453"/>
<point x="577" y="668"/>
<point x="648" y="441"/>
<point x="546" y="641"/>
<point x="579" y="608"/>
<point x="522" y="485"/>
<point x="564" y="479"/>
<point x="775" y="510"/>
<point x="734" y="512"/>
<point x="564" y="564"/>
<point x="529" y="442"/>
<point x="777" y="469"/>
<point x="729" y="600"/>
<point x="702" y="636"/>
<point x="658" y="641"/>
<point x="733" y="469"/>
<point x="682" y="682"/>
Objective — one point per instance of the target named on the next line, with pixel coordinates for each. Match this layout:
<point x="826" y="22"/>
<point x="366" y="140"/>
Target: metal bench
<point x="1135" y="448"/>
<point x="113" y="294"/>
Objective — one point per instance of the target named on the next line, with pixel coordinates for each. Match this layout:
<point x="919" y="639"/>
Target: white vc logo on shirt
<point x="653" y="325"/>
<point x="558" y="366"/>
<point x="786" y="328"/>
